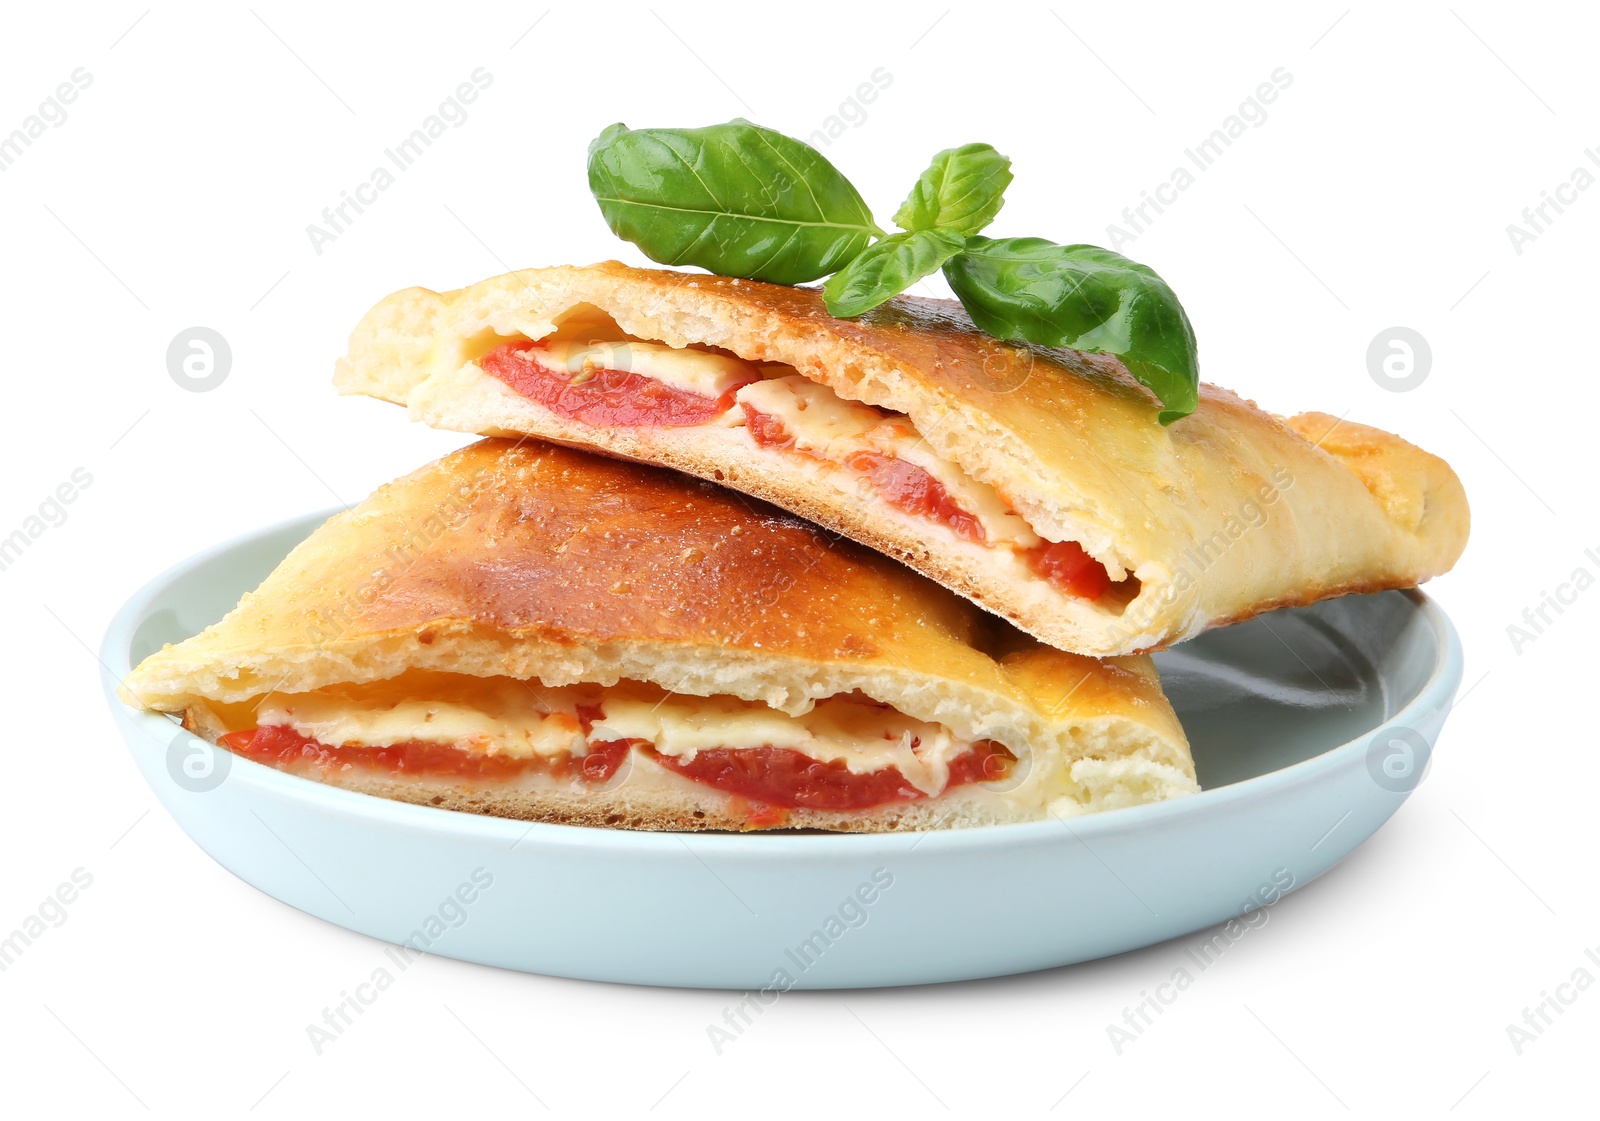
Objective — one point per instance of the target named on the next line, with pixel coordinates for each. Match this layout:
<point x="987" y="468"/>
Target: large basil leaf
<point x="735" y="199"/>
<point x="888" y="267"/>
<point x="961" y="191"/>
<point x="1027" y="289"/>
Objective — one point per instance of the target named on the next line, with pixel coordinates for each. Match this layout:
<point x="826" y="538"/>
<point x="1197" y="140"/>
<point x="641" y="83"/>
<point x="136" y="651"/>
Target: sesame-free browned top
<point x="1069" y="440"/>
<point x="535" y="561"/>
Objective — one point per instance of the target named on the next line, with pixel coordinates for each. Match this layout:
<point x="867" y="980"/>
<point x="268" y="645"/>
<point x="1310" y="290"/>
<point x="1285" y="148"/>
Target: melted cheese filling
<point x="693" y="371"/>
<point x="828" y="427"/>
<point x="524" y="719"/>
<point x="492" y="716"/>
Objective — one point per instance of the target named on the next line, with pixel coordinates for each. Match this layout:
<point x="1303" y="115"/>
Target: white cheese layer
<point x="693" y="371"/>
<point x="502" y="716"/>
<point x="866" y="737"/>
<point x="482" y="716"/>
<point x="828" y="427"/>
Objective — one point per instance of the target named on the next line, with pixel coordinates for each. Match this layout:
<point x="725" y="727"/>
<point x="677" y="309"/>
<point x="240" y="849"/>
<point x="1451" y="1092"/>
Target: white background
<point x="1376" y="193"/>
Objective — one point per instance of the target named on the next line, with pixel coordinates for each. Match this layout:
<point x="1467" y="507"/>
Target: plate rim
<point x="1436" y="695"/>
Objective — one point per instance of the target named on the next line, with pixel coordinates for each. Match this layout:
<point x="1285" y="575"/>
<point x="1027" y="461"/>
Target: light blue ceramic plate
<point x="1309" y="729"/>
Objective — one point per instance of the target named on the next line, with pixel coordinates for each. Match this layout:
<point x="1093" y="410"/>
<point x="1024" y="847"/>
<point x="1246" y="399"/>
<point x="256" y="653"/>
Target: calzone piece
<point x="1035" y="482"/>
<point x="541" y="633"/>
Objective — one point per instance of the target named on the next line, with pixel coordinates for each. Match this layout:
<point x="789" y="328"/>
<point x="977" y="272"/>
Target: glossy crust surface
<point x="1222" y="515"/>
<point x="540" y="562"/>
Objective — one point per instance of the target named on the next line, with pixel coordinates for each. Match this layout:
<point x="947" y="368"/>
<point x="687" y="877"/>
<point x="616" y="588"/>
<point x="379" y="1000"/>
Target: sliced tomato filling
<point x="287" y="750"/>
<point x="781" y="776"/>
<point x="764" y="777"/>
<point x="1068" y="567"/>
<point x="615" y="398"/>
<point x="910" y="488"/>
<point x="766" y="430"/>
<point x="903" y="485"/>
<point x="914" y="490"/>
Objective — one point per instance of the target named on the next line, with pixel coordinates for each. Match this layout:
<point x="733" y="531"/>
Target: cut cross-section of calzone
<point x="537" y="632"/>
<point x="1035" y="482"/>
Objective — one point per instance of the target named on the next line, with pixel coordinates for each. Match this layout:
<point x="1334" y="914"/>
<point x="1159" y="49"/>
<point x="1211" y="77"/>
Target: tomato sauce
<point x="613" y="398"/>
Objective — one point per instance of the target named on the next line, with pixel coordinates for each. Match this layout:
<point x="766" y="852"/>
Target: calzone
<point x="1035" y="482"/>
<point x="537" y="632"/>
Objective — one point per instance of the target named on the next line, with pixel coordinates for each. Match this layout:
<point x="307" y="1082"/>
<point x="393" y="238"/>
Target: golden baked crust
<point x="538" y="562"/>
<point x="1219" y="516"/>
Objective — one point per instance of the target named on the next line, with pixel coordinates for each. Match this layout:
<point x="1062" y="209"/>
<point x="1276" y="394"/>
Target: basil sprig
<point x="734" y="199"/>
<point x="741" y="200"/>
<point x="960" y="193"/>
<point x="1027" y="289"/>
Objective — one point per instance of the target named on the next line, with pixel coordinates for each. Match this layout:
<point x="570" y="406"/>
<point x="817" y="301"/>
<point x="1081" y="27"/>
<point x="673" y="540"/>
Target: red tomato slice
<point x="779" y="776"/>
<point x="604" y="398"/>
<point x="1068" y="567"/>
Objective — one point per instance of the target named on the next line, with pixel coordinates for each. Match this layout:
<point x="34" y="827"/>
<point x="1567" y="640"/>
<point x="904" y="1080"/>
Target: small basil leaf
<point x="888" y="267"/>
<point x="735" y="199"/>
<point x="1027" y="289"/>
<point x="961" y="191"/>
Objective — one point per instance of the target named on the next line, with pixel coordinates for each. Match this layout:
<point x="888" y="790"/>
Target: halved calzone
<point x="532" y="631"/>
<point x="1035" y="482"/>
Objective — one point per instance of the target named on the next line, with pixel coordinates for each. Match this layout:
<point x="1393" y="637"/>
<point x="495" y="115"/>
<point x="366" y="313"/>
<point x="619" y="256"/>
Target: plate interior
<point x="1288" y="686"/>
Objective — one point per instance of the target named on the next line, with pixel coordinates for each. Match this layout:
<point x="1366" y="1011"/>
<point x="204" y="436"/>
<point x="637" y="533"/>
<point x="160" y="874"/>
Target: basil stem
<point x="958" y="195"/>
